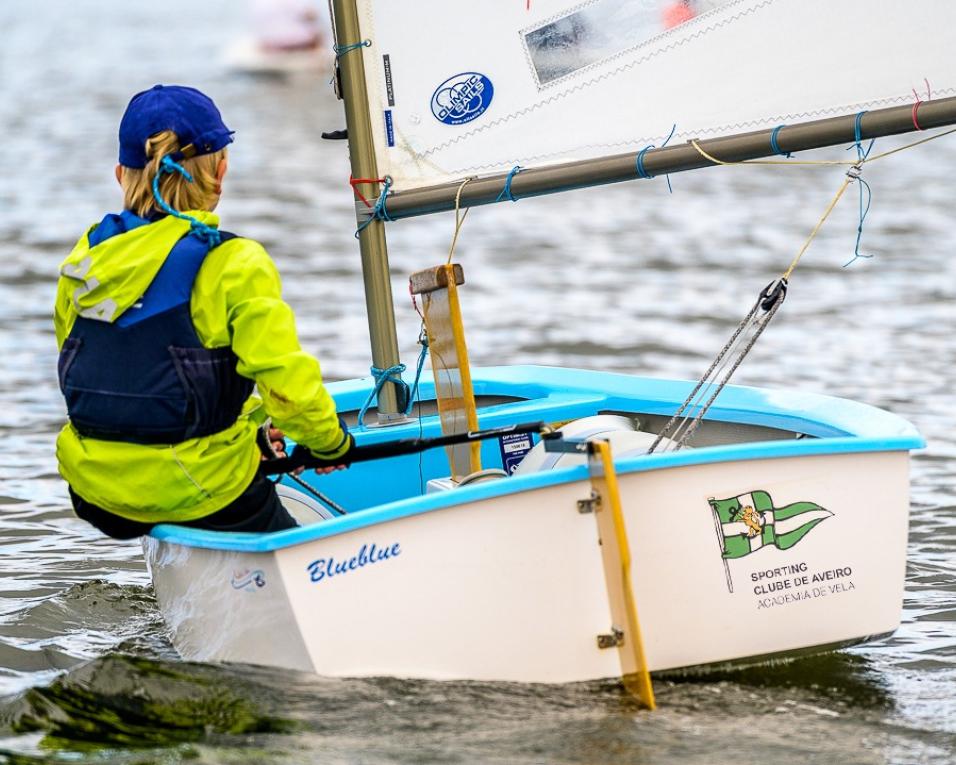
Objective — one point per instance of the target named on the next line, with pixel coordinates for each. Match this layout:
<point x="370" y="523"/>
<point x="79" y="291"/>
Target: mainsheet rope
<point x="853" y="174"/>
<point x="772" y="297"/>
<point x="459" y="218"/>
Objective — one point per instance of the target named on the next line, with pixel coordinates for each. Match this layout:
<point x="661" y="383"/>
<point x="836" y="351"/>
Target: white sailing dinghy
<point x="644" y="534"/>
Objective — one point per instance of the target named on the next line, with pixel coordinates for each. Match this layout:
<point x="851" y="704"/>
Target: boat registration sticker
<point x="514" y="447"/>
<point x="462" y="98"/>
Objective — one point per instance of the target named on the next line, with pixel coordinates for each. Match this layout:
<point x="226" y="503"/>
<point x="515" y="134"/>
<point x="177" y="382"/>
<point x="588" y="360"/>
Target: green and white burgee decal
<point x="748" y="522"/>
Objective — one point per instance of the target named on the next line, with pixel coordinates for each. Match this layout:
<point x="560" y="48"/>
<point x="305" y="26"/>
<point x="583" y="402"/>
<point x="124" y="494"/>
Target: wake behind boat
<point x="657" y="525"/>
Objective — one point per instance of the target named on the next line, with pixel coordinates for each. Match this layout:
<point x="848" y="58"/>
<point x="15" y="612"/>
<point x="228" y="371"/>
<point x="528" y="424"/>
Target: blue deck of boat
<point x="375" y="492"/>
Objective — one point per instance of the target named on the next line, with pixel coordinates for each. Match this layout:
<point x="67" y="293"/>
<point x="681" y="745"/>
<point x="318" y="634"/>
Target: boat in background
<point x="286" y="37"/>
<point x="247" y="56"/>
<point x="646" y="525"/>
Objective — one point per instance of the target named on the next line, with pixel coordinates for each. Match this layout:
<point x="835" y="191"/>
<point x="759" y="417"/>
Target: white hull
<point x="512" y="588"/>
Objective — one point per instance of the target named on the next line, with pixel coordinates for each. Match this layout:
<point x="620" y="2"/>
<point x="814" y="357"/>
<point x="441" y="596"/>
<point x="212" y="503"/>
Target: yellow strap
<point x="616" y="554"/>
<point x="464" y="368"/>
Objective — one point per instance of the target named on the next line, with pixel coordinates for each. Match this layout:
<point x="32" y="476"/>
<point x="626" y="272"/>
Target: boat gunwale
<point x="877" y="431"/>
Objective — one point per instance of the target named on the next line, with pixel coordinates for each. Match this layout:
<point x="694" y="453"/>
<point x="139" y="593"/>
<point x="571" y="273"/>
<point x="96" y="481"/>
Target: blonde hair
<point x="179" y="193"/>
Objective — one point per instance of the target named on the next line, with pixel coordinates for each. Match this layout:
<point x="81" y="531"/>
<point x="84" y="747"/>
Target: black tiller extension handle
<point x="302" y="457"/>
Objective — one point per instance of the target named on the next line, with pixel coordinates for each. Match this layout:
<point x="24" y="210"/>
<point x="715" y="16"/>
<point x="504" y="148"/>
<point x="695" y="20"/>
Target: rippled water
<point x="626" y="278"/>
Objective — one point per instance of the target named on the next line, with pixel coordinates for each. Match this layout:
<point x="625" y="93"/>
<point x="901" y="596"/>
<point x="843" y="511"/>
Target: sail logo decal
<point x="462" y="98"/>
<point x="248" y="580"/>
<point x="367" y="555"/>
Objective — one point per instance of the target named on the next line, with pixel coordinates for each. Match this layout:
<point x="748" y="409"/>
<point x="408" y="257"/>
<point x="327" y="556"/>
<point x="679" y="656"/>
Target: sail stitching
<point x="582" y="85"/>
<point x="718" y="130"/>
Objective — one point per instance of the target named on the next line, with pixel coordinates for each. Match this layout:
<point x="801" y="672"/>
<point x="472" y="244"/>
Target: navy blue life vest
<point x="146" y="378"/>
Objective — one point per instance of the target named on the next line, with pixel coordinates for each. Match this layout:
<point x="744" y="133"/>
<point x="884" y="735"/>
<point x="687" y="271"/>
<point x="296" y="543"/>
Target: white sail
<point x="459" y="89"/>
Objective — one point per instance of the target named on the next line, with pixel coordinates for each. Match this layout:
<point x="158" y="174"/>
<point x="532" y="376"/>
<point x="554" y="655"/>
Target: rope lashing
<point x="919" y="101"/>
<point x="774" y="146"/>
<point x="861" y="153"/>
<point x="506" y="191"/>
<point x="855" y="173"/>
<point x="341" y="50"/>
<point x="382" y="376"/>
<point x="642" y="172"/>
<point x="394" y="375"/>
<point x="355" y="182"/>
<point x="378" y="212"/>
<point x="208" y="234"/>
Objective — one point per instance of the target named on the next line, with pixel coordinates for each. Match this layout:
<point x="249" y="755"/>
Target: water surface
<point x="628" y="278"/>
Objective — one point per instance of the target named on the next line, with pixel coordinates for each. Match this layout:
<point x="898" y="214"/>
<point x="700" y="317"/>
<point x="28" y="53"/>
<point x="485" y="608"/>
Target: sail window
<point x="602" y="29"/>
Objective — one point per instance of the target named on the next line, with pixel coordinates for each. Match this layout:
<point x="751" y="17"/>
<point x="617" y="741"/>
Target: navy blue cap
<point x="187" y="112"/>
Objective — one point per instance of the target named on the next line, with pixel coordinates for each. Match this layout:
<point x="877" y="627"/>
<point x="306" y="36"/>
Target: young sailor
<point x="164" y="324"/>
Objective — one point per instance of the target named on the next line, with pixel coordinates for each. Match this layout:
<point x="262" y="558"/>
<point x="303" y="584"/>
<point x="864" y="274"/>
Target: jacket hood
<point x="113" y="274"/>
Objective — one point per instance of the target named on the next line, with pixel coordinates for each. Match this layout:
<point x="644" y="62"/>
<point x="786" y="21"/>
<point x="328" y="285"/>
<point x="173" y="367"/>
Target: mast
<point x="674" y="159"/>
<point x="374" y="250"/>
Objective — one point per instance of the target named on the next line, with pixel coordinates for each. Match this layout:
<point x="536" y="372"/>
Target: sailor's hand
<point x="345" y="460"/>
<point x="327" y="470"/>
<point x="277" y="444"/>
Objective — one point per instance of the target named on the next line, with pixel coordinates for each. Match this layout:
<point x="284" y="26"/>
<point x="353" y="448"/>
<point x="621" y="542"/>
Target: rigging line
<point x="866" y="199"/>
<point x="773" y="292"/>
<point x="459" y="218"/>
<point x="820" y="162"/>
<point x="898" y="149"/>
<point x="760" y="326"/>
<point x="707" y="375"/>
<point x="318" y="495"/>
<point x="700" y="403"/>
<point x="697" y="407"/>
<point x="787" y="163"/>
<point x="852" y="175"/>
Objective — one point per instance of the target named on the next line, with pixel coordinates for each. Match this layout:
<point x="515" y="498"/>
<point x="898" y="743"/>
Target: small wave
<point x="135" y="702"/>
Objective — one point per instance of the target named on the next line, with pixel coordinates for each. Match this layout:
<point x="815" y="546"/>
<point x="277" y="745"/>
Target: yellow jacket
<point x="236" y="301"/>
